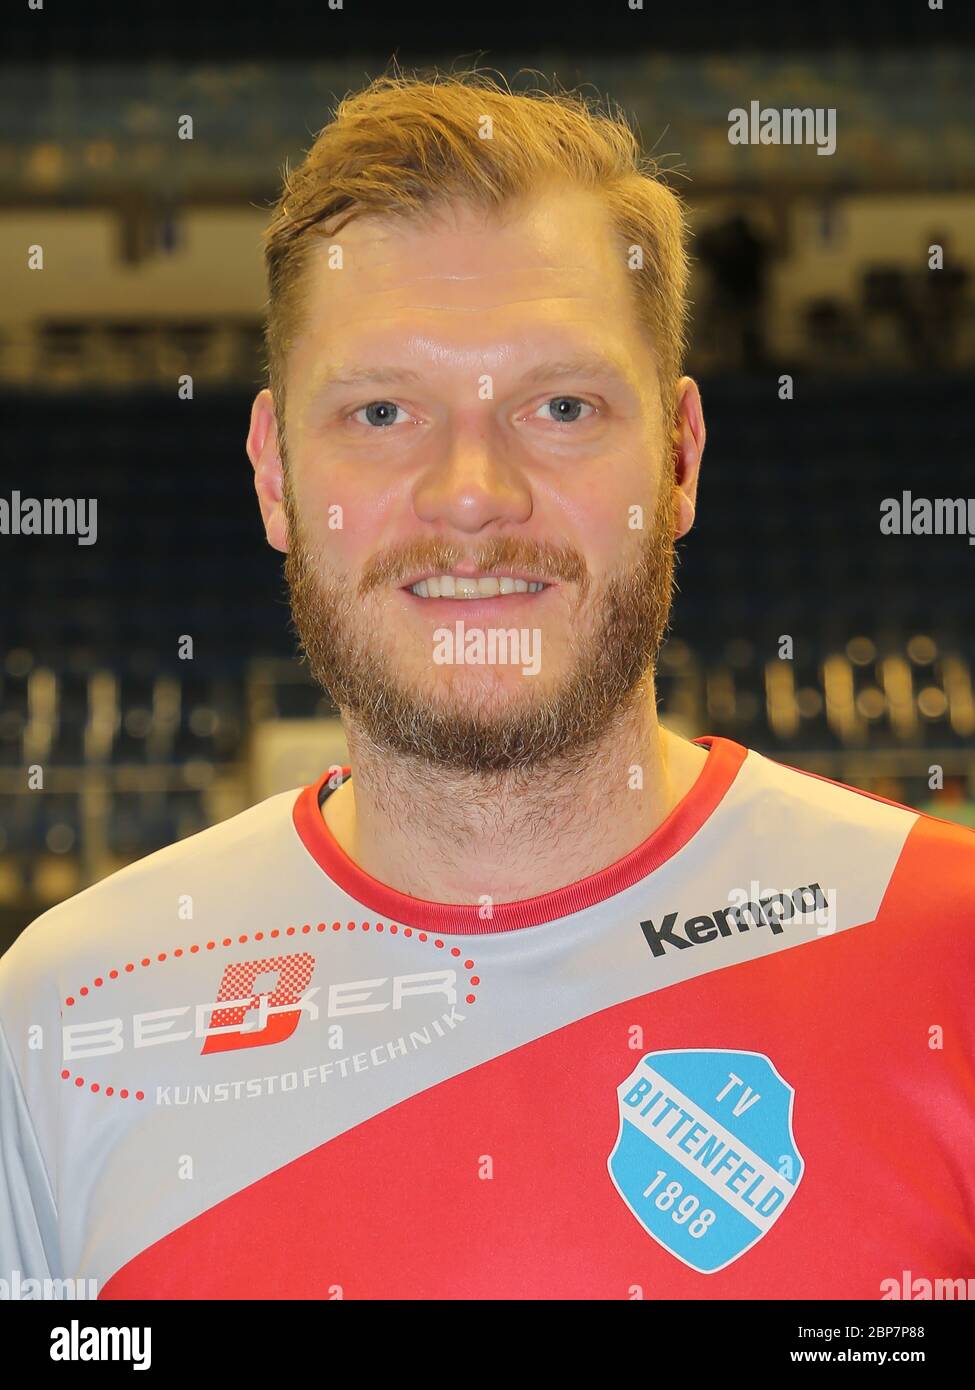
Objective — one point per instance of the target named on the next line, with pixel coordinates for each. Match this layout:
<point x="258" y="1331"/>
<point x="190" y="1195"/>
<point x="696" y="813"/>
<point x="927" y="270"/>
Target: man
<point x="535" y="999"/>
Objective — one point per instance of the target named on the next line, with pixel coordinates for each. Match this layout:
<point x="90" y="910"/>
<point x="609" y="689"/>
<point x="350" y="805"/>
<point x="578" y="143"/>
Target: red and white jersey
<point x="738" y="1063"/>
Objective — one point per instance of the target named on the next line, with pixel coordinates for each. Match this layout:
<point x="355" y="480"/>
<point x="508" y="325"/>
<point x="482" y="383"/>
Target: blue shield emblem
<point x="705" y="1157"/>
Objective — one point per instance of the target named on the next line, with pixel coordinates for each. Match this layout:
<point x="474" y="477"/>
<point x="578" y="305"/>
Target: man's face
<point x="505" y="421"/>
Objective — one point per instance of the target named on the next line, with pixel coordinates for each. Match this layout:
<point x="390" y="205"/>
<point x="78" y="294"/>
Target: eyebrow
<point x="585" y="364"/>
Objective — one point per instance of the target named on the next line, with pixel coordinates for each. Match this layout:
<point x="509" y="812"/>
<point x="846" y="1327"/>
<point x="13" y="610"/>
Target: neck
<point x="456" y="837"/>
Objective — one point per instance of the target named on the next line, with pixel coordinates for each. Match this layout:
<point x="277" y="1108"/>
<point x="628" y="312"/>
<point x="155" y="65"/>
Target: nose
<point x="472" y="484"/>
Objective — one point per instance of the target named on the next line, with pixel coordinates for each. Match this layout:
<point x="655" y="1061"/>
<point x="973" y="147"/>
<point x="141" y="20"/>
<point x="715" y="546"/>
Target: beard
<point x="610" y="667"/>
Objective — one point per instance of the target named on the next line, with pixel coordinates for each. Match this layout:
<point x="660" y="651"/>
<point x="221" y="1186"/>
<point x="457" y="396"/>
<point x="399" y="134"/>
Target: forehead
<point x="465" y="277"/>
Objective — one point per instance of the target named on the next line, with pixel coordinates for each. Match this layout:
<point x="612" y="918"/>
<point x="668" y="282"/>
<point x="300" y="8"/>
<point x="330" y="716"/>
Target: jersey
<point x="738" y="1063"/>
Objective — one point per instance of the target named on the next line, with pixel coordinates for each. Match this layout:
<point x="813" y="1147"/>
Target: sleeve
<point x="29" y="1242"/>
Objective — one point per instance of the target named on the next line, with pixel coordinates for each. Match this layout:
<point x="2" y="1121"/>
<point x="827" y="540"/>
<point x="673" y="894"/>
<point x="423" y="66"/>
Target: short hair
<point x="409" y="145"/>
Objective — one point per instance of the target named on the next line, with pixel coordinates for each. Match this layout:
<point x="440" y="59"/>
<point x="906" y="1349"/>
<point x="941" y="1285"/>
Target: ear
<point x="262" y="450"/>
<point x="688" y="447"/>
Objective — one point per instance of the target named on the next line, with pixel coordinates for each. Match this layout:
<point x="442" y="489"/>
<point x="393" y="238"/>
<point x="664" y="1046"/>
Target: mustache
<point x="395" y="566"/>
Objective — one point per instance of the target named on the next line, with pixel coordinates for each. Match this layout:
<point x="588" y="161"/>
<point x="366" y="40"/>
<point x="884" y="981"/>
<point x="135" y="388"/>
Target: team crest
<point x="705" y="1157"/>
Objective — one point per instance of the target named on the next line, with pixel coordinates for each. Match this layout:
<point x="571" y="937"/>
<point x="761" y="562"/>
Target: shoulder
<point x="927" y="855"/>
<point x="204" y="880"/>
<point x="812" y="785"/>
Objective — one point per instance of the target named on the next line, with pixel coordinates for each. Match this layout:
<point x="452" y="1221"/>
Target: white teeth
<point x="467" y="587"/>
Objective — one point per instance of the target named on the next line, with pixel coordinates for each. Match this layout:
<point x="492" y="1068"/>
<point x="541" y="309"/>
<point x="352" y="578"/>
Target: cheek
<point x="337" y="517"/>
<point x="604" y="503"/>
<point x="608" y="521"/>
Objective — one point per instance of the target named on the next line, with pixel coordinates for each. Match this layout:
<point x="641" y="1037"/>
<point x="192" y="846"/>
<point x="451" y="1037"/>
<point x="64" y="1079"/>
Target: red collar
<point x="724" y="759"/>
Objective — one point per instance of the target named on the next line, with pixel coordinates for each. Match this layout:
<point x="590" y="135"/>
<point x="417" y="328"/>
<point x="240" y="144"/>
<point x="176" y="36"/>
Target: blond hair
<point x="409" y="145"/>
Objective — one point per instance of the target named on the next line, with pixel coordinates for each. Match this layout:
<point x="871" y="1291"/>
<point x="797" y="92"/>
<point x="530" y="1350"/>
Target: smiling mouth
<point x="467" y="587"/>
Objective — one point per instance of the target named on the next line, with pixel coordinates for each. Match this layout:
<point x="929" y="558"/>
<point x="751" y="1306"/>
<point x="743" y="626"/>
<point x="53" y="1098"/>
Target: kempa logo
<point x="770" y="911"/>
<point x="493" y="646"/>
<point x="50" y="516"/>
<point x="790" y="126"/>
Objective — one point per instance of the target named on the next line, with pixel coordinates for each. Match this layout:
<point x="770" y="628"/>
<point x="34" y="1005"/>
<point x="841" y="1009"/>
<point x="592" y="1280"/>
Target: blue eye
<point x="379" y="413"/>
<point x="569" y="416"/>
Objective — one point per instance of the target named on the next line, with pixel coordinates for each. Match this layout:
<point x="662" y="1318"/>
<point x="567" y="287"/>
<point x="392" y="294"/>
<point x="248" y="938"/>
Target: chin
<point x="502" y="703"/>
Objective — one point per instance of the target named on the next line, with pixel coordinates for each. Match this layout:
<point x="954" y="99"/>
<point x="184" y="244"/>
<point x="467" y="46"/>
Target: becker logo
<point x="259" y="1002"/>
<point x="278" y="1009"/>
<point x="772" y="911"/>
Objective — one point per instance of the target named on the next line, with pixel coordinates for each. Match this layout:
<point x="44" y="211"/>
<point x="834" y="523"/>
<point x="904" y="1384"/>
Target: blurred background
<point x="808" y="267"/>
